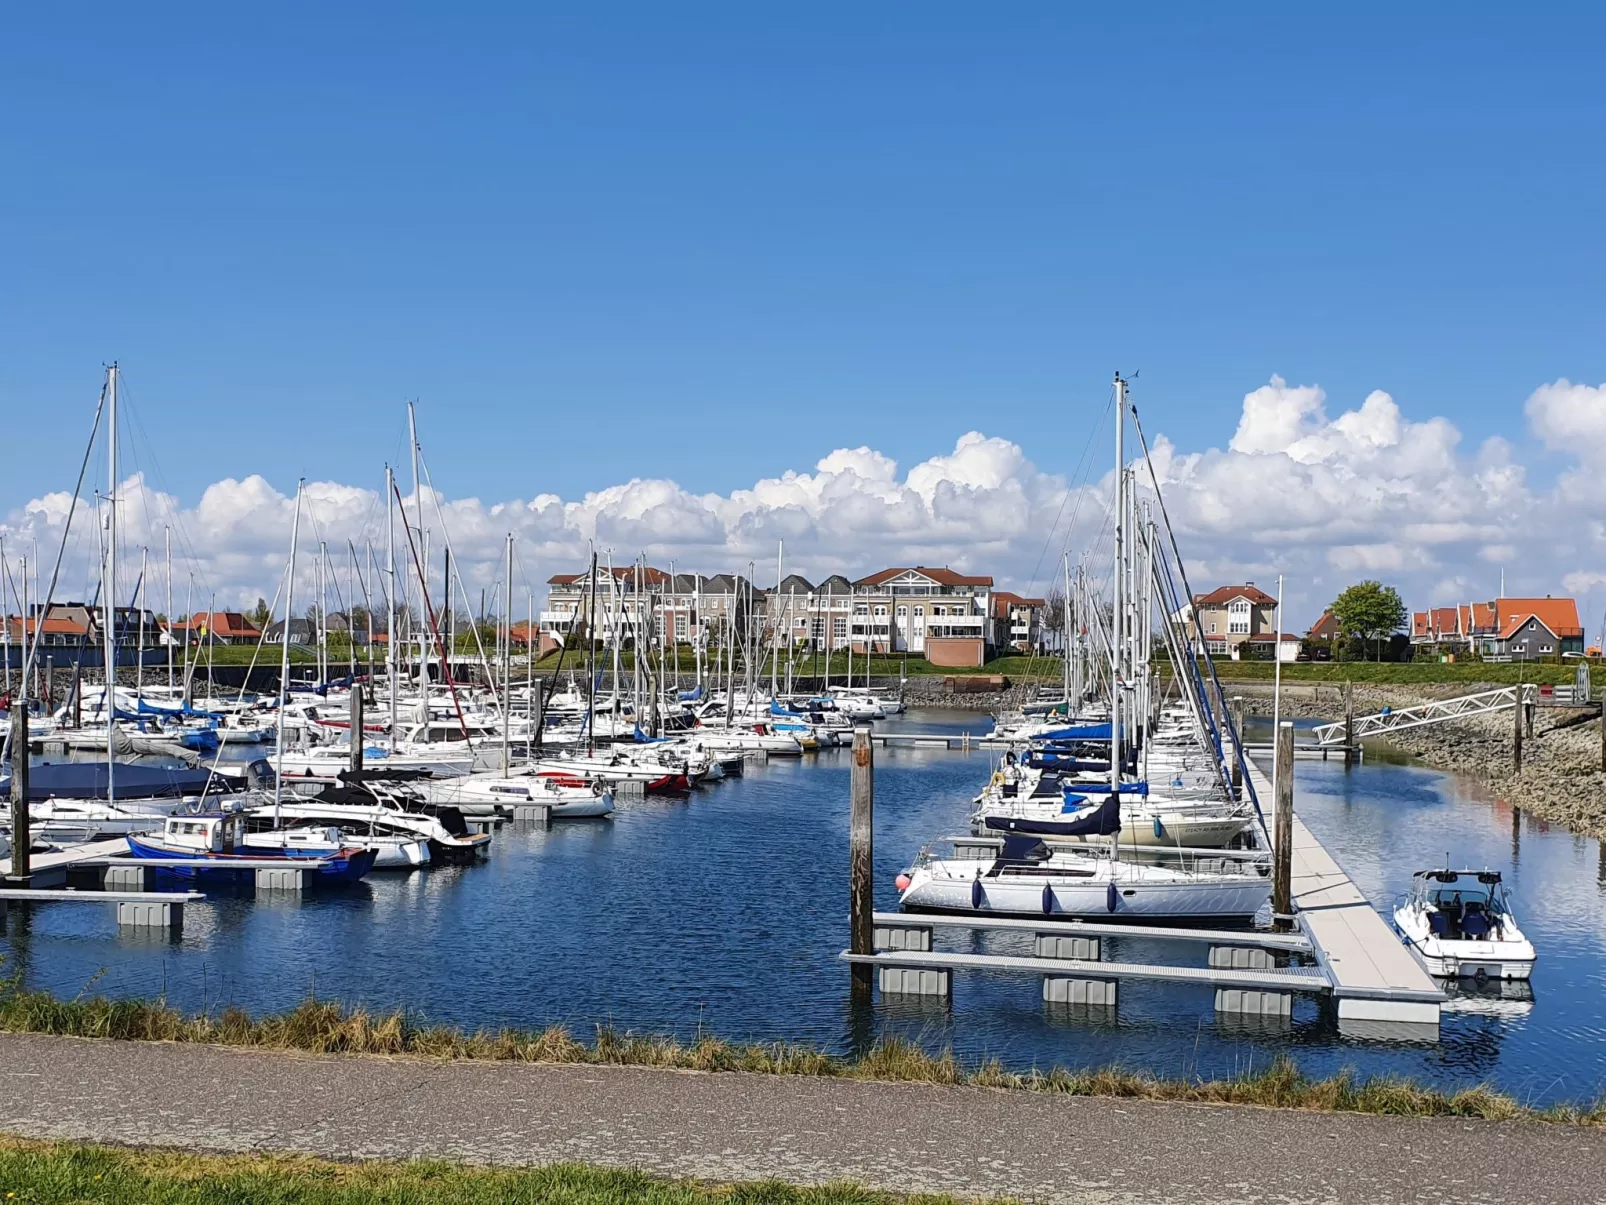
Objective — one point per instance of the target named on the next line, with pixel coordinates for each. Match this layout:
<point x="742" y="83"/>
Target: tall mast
<point x="139" y="671"/>
<point x="284" y="657"/>
<point x="109" y="600"/>
<point x="5" y="613"/>
<point x="418" y="509"/>
<point x="167" y="537"/>
<point x="775" y="621"/>
<point x="1117" y="611"/>
<point x="390" y="600"/>
<point x="507" y="652"/>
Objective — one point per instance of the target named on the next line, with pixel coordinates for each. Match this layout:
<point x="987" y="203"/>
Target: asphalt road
<point x="965" y="1141"/>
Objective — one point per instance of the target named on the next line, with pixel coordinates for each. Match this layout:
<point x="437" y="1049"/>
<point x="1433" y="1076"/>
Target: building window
<point x="1238" y="627"/>
<point x="861" y="609"/>
<point x="920" y="610"/>
<point x="902" y="611"/>
<point x="939" y="610"/>
<point x="880" y="612"/>
<point x="839" y="628"/>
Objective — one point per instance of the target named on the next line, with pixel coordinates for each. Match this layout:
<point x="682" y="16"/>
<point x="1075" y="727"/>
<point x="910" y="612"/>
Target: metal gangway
<point x="1394" y="719"/>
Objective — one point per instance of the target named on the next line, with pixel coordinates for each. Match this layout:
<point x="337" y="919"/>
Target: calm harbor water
<point x="723" y="914"/>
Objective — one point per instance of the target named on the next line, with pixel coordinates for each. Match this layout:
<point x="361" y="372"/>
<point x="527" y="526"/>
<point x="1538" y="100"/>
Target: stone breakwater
<point x="1561" y="778"/>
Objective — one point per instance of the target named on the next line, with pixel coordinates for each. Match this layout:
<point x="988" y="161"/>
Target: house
<point x="945" y="616"/>
<point x="1229" y="615"/>
<point x="632" y="600"/>
<point x="1017" y="622"/>
<point x="1321" y="639"/>
<point x="1521" y="629"/>
<point x="218" y="627"/>
<point x="1531" y="628"/>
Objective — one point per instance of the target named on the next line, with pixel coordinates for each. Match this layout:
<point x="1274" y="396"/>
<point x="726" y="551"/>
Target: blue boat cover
<point x="691" y="696"/>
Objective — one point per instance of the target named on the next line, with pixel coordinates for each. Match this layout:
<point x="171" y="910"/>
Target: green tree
<point x="259" y="615"/>
<point x="1367" y="612"/>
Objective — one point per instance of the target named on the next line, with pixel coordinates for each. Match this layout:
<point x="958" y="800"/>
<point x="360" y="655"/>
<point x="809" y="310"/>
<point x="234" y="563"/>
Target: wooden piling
<point x="1516" y="732"/>
<point x="861" y="890"/>
<point x="1603" y="743"/>
<point x="1282" y="900"/>
<point x="1349" y="723"/>
<point x="357" y="740"/>
<point x="21" y="838"/>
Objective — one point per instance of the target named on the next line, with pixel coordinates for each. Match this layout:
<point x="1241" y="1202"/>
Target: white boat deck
<point x="1373" y="976"/>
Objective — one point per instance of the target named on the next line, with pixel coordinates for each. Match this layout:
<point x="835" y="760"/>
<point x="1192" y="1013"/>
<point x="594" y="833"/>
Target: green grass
<point x="1400" y="672"/>
<point x="327" y="1027"/>
<point x="48" y="1173"/>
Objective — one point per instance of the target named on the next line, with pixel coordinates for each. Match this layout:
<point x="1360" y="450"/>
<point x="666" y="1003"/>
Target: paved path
<point x="735" y="1127"/>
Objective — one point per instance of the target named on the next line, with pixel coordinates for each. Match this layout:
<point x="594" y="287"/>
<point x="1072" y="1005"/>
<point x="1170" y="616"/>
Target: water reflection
<point x="724" y="913"/>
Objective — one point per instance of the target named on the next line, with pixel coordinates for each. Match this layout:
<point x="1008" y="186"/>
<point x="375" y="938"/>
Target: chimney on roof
<point x="1249" y="583"/>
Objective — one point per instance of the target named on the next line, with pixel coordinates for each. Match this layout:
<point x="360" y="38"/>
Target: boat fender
<point x="901" y="882"/>
<point x="596" y="789"/>
<point x="1048" y="900"/>
<point x="1159" y="829"/>
<point x="977" y="895"/>
<point x="998" y="778"/>
<point x="1112" y="898"/>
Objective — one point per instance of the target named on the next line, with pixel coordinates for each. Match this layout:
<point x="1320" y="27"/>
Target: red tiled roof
<point x="1003" y="600"/>
<point x="1560" y="615"/>
<point x="1324" y="628"/>
<point x="1224" y="594"/>
<point x="943" y="577"/>
<point x="219" y="623"/>
<point x="54" y="625"/>
<point x="1268" y="637"/>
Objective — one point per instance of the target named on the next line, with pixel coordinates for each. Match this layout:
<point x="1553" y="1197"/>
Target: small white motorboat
<point x="1459" y="923"/>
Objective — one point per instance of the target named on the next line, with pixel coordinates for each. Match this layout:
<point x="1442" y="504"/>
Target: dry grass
<point x="325" y="1027"/>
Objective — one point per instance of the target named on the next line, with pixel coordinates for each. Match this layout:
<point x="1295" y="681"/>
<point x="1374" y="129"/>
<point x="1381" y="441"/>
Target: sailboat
<point x="1038" y="870"/>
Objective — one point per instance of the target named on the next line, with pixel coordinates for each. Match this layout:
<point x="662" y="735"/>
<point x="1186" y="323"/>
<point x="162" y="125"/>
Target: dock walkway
<point x="50" y="869"/>
<point x="730" y="1126"/>
<point x="1374" y="977"/>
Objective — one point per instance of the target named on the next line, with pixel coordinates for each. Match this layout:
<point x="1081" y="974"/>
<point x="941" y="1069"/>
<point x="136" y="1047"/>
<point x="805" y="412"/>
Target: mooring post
<point x="861" y="889"/>
<point x="1282" y="884"/>
<point x="50" y="686"/>
<point x="1349" y="723"/>
<point x="21" y="838"/>
<point x="1516" y="732"/>
<point x="1528" y="706"/>
<point x="1237" y="752"/>
<point x="1603" y="742"/>
<point x="356" y="730"/>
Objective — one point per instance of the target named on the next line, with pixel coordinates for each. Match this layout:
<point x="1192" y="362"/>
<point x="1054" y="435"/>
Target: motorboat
<point x="496" y="794"/>
<point x="387" y="816"/>
<point x="1028" y="878"/>
<point x="219" y="839"/>
<point x="1460" y="924"/>
<point x="392" y="851"/>
<point x="78" y="820"/>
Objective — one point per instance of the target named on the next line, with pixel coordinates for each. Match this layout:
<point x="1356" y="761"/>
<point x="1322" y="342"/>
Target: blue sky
<point x="714" y="242"/>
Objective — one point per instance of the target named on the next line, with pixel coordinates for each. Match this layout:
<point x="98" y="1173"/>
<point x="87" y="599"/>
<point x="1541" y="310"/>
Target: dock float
<point x="1373" y="977"/>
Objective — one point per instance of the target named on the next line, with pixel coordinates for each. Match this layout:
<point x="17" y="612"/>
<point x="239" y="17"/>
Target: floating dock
<point x="1371" y="973"/>
<point x="1343" y="951"/>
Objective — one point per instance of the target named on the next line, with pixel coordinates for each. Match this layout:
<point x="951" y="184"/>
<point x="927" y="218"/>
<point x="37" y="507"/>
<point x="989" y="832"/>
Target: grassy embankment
<point x="1024" y="669"/>
<point x="325" y="1027"/>
<point x="1400" y="673"/>
<point x="47" y="1173"/>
